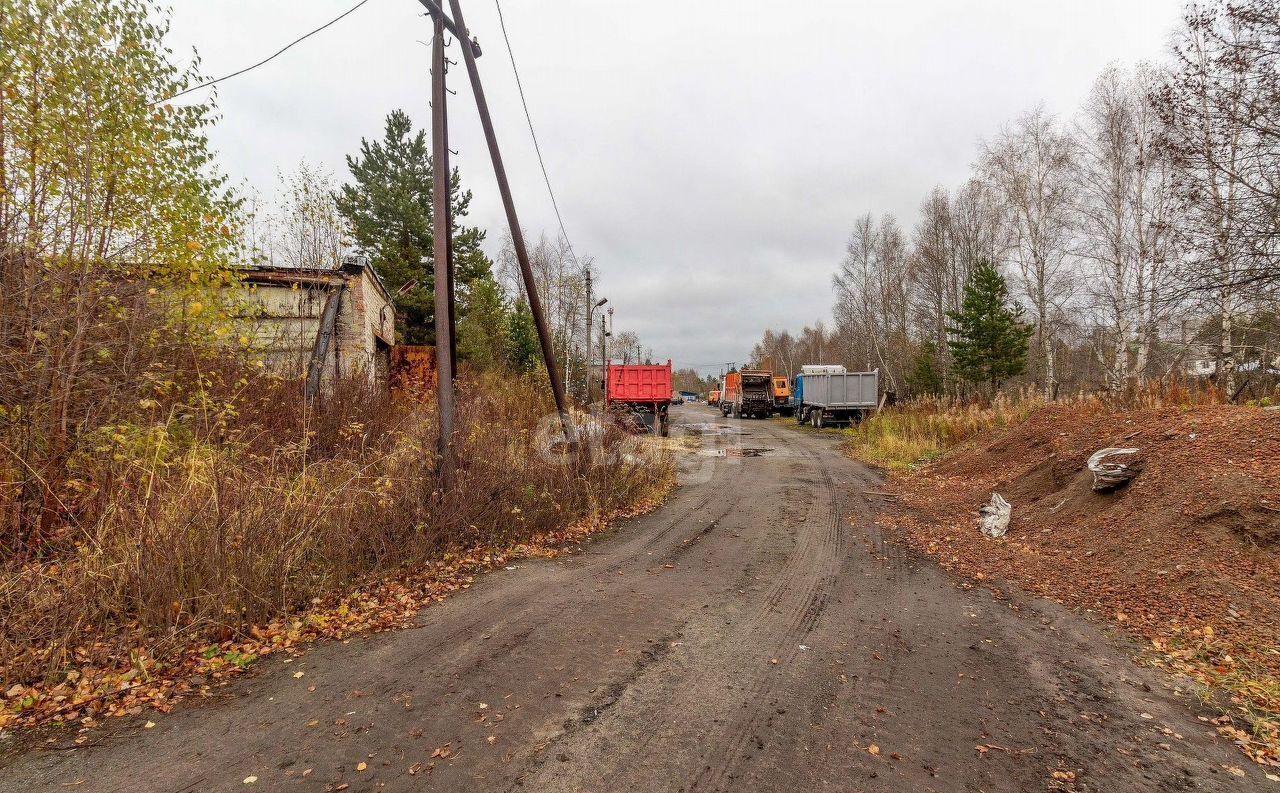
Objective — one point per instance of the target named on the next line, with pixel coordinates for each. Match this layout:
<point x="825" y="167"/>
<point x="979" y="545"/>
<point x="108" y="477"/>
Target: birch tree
<point x="1029" y="165"/>
<point x="1220" y="129"/>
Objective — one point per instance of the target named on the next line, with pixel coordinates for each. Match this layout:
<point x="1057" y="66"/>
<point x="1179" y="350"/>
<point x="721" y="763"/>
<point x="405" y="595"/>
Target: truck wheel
<point x="801" y="417"/>
<point x="817" y="418"/>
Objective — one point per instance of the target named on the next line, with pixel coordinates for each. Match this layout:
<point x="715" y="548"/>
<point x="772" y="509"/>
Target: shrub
<point x="199" y="527"/>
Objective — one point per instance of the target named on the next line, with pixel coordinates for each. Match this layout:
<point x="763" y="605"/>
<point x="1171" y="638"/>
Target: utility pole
<point x="604" y="362"/>
<point x="443" y="276"/>
<point x="513" y="221"/>
<point x="591" y="309"/>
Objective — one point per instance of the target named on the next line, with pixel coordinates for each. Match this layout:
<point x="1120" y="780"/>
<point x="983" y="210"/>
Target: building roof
<point x="327" y="276"/>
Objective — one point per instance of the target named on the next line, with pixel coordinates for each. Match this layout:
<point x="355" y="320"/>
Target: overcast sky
<point x="711" y="156"/>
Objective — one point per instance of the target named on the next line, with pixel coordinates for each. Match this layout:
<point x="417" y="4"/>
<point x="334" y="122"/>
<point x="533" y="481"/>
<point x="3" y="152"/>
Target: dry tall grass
<point x="198" y="527"/>
<point x="906" y="436"/>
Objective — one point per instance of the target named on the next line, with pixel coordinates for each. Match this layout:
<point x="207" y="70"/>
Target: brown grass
<point x="202" y="525"/>
<point x="905" y="437"/>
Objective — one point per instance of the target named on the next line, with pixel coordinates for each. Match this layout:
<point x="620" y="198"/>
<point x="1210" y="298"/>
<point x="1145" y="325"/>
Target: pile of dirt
<point x="1188" y="552"/>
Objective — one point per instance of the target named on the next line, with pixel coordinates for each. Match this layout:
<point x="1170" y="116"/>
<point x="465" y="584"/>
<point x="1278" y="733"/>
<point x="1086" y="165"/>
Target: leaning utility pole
<point x="444" y="282"/>
<point x="591" y="309"/>
<point x="459" y="26"/>
<point x="471" y="51"/>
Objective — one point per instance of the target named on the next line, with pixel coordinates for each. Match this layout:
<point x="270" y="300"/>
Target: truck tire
<point x="801" y="417"/>
<point x="817" y="419"/>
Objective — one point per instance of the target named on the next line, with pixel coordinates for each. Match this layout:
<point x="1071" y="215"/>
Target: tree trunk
<point x="1226" y="374"/>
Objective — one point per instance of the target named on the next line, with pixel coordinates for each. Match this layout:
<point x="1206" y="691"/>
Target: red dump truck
<point x="641" y="393"/>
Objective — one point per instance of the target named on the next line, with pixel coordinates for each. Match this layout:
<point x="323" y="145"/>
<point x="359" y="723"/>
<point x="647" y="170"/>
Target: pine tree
<point x="522" y="339"/>
<point x="484" y="337"/>
<point x="988" y="338"/>
<point x="924" y="378"/>
<point x="388" y="207"/>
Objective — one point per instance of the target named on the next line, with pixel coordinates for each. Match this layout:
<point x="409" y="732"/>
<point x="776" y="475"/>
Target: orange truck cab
<point x="782" y="396"/>
<point x="713" y="398"/>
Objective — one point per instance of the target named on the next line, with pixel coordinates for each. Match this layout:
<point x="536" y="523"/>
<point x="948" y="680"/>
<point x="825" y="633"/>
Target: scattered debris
<point x="995" y="516"/>
<point x="1192" y="544"/>
<point x="1109" y="476"/>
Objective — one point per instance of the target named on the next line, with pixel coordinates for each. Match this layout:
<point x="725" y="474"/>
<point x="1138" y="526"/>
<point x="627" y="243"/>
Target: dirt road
<point x="756" y="634"/>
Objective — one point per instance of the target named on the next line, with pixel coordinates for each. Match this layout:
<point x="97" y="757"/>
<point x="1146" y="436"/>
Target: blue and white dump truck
<point x="829" y="396"/>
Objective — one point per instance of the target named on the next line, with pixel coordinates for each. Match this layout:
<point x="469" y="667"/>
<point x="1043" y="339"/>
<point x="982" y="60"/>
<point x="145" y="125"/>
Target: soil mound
<point x="1193" y="541"/>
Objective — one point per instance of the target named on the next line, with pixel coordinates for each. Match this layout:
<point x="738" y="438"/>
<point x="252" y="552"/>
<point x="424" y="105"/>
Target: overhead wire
<point x="268" y="59"/>
<point x="532" y="134"/>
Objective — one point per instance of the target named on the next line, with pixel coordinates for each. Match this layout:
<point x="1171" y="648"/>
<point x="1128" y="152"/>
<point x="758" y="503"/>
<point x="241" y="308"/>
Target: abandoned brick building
<point x="343" y="319"/>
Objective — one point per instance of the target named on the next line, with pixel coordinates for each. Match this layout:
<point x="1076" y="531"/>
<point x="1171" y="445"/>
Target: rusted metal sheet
<point x="413" y="372"/>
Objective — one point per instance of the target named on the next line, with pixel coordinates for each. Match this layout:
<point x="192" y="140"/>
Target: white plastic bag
<point x="995" y="517"/>
<point x="1109" y="476"/>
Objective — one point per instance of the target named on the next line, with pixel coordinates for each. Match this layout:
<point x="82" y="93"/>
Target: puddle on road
<point x="735" y="452"/>
<point x="710" y="428"/>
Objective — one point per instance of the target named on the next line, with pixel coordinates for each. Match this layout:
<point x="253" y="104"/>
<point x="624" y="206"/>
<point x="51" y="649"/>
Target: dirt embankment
<point x="1187" y="556"/>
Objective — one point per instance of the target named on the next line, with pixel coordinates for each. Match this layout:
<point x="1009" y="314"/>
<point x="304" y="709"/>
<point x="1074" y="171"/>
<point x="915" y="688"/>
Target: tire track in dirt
<point x="643" y="665"/>
<point x="815" y="563"/>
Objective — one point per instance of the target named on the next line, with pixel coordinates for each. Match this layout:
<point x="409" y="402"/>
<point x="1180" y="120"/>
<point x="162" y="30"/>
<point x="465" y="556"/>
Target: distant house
<point x="343" y="318"/>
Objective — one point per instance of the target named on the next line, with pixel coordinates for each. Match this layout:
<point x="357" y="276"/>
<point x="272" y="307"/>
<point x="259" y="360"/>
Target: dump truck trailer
<point x="828" y="396"/>
<point x="641" y="394"/>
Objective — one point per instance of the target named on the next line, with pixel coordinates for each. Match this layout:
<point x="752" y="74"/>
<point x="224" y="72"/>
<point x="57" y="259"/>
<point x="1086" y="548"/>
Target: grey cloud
<point x="710" y="155"/>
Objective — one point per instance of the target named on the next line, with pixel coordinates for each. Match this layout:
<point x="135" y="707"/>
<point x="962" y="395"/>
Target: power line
<point x="538" y="149"/>
<point x="266" y="60"/>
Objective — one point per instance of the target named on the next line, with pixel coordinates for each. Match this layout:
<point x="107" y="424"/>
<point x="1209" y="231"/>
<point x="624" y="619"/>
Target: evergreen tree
<point x="988" y="338"/>
<point x="484" y="337"/>
<point x="522" y="337"/>
<point x="388" y="207"/>
<point x="924" y="378"/>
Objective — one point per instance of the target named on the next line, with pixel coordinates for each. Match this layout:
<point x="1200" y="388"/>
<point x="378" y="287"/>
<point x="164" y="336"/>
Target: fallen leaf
<point x="149" y="725"/>
<point x="1064" y="776"/>
<point x="873" y="749"/>
<point x="362" y="766"/>
<point x="492" y="739"/>
<point x="299" y="674"/>
<point x="249" y="780"/>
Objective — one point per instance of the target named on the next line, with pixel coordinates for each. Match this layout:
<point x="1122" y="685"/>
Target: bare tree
<point x="1219" y="108"/>
<point x="1029" y="165"/>
<point x="932" y="271"/>
<point x="302" y="228"/>
<point x="1107" y="195"/>
<point x="872" y="308"/>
